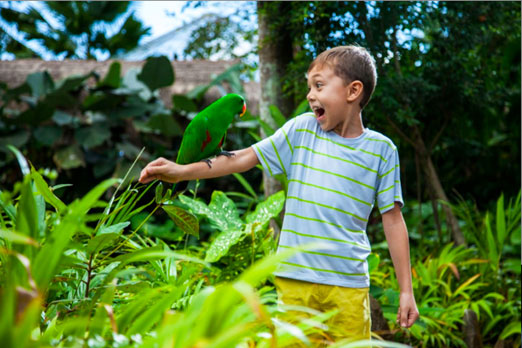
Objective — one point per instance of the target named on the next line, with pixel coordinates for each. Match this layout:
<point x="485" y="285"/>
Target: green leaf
<point x="268" y="129"/>
<point x="101" y="242"/>
<point x="501" y="222"/>
<point x="17" y="139"/>
<point x="277" y="116"/>
<point x="21" y="160"/>
<point x="165" y="124"/>
<point x="44" y="190"/>
<point x="47" y="135"/>
<point x="116" y="228"/>
<point x="301" y="108"/>
<point x="112" y="79"/>
<point x="512" y="265"/>
<point x="26" y="215"/>
<point x="62" y="118"/>
<point x="9" y="209"/>
<point x="154" y="312"/>
<point x="71" y="83"/>
<point x="37" y="114"/>
<point x="92" y="136"/>
<point x="511" y="329"/>
<point x="48" y="258"/>
<point x="182" y="102"/>
<point x="17" y="238"/>
<point x="373" y="262"/>
<point x="492" y="250"/>
<point x="157" y="72"/>
<point x="245" y="184"/>
<point x="159" y="192"/>
<point x="223" y="242"/>
<point x="266" y="210"/>
<point x="261" y="269"/>
<point x="221" y="212"/>
<point x="183" y="219"/>
<point x="69" y="157"/>
<point x="40" y="82"/>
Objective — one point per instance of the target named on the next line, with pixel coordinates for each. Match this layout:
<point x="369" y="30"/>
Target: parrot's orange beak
<point x="243" y="111"/>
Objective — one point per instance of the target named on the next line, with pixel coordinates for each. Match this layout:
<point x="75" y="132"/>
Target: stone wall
<point x="189" y="74"/>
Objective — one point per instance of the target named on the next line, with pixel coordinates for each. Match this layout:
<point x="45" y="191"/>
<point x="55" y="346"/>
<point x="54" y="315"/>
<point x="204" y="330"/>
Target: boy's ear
<point x="355" y="89"/>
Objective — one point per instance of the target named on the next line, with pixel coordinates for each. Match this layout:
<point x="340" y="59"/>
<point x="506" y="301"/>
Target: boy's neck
<point x="352" y="127"/>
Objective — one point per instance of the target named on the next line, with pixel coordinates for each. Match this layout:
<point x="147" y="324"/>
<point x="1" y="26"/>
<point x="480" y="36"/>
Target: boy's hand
<point x="161" y="169"/>
<point x="408" y="312"/>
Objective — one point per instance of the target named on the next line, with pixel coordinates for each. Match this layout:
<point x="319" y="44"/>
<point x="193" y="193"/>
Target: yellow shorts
<point x="353" y="321"/>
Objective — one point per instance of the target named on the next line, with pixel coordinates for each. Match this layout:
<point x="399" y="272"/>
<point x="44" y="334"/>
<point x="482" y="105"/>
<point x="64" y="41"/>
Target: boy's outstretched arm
<point x="172" y="172"/>
<point x="397" y="237"/>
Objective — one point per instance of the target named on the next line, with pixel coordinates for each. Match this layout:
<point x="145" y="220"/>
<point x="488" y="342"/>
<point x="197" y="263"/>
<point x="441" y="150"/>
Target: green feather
<point x="204" y="133"/>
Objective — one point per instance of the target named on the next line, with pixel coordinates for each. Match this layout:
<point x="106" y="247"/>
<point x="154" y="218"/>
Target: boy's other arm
<point x="172" y="172"/>
<point x="397" y="237"/>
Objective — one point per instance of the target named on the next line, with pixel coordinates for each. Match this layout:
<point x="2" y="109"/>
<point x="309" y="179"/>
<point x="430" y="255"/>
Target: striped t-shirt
<point x="333" y="183"/>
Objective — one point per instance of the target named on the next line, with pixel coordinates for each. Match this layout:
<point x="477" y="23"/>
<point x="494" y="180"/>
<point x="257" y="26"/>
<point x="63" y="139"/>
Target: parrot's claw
<point x="226" y="153"/>
<point x="207" y="161"/>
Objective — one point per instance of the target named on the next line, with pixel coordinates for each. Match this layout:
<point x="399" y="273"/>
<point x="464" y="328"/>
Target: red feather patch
<point x="206" y="141"/>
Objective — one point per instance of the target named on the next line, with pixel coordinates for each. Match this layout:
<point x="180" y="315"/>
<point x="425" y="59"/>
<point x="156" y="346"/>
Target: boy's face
<point x="327" y="97"/>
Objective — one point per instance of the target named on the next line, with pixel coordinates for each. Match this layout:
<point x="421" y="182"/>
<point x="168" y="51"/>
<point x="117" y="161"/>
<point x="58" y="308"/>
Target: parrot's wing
<point x="193" y="140"/>
<point x="222" y="141"/>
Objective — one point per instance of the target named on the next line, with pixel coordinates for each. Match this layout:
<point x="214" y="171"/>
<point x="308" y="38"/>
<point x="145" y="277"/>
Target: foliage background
<point x="448" y="94"/>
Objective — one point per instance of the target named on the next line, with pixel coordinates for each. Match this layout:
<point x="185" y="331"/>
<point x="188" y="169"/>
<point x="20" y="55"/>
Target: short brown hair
<point x="351" y="63"/>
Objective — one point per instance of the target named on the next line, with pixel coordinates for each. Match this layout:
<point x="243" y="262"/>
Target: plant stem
<point x="89" y="270"/>
<point x="132" y="234"/>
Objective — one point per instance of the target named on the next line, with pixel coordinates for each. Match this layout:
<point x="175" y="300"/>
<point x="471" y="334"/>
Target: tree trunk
<point x="275" y="52"/>
<point x="432" y="180"/>
<point x="471" y="329"/>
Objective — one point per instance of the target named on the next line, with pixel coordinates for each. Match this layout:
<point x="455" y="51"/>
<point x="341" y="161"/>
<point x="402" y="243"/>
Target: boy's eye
<point x="318" y="85"/>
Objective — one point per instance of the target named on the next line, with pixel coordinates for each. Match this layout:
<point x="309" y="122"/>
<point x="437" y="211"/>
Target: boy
<point x="336" y="170"/>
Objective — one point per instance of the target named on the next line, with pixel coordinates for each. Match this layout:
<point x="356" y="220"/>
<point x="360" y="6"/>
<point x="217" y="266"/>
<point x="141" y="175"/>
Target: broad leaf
<point x="101" y="241"/>
<point x="112" y="79"/>
<point x="40" y="82"/>
<point x="223" y="242"/>
<point x="267" y="209"/>
<point x="92" y="136"/>
<point x="221" y="211"/>
<point x="166" y="124"/>
<point x="157" y="72"/>
<point x="69" y="157"/>
<point x="183" y="219"/>
<point x="182" y="102"/>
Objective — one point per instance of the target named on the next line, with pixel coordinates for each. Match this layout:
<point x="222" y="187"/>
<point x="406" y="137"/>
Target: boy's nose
<point x="310" y="96"/>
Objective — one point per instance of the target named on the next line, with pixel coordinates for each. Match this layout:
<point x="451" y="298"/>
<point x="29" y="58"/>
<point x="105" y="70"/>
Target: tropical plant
<point x="75" y="274"/>
<point x="78" y="29"/>
<point x="78" y="126"/>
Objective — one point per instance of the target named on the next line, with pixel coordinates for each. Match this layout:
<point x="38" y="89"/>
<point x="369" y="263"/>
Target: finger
<point x="149" y="174"/>
<point x="398" y="315"/>
<point x="412" y="317"/>
<point x="404" y="317"/>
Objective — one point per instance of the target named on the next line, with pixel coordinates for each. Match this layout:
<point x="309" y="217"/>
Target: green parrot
<point x="205" y="134"/>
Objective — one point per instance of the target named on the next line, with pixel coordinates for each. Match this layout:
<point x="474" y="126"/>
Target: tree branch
<point x="439" y="133"/>
<point x="401" y="133"/>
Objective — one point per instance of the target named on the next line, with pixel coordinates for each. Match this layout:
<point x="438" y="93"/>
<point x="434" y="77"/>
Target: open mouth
<point x="319" y="112"/>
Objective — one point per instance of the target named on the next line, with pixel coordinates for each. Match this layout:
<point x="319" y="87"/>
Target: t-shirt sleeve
<point x="389" y="183"/>
<point x="275" y="152"/>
